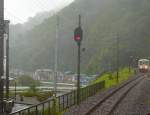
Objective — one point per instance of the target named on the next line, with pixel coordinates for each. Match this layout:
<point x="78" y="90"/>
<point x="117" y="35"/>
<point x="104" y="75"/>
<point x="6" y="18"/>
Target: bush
<point x="33" y="88"/>
<point x="28" y="94"/>
<point x="43" y="96"/>
<point x="26" y="80"/>
<point x="110" y="78"/>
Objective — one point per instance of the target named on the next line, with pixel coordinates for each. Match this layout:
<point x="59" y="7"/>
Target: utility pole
<point x="117" y="41"/>
<point x="130" y="63"/>
<point x="56" y="57"/>
<point x="78" y="68"/>
<point x="1" y="53"/>
<point x="78" y="72"/>
<point x="78" y="35"/>
<point x="15" y="89"/>
<point x="7" y="57"/>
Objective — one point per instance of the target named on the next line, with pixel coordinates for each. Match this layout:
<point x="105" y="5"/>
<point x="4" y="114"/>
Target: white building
<point x="43" y="74"/>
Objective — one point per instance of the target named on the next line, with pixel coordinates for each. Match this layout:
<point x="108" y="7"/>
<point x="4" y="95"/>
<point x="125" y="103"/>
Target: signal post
<point x="78" y="35"/>
<point x="1" y="53"/>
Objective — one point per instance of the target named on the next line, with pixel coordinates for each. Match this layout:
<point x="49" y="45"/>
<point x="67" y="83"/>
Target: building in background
<point x="43" y="75"/>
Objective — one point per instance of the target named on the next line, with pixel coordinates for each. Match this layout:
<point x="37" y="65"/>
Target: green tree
<point x="26" y="80"/>
<point x="101" y="21"/>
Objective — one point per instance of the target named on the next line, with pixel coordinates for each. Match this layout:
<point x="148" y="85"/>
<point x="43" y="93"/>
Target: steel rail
<point x="109" y="95"/>
<point x="123" y="96"/>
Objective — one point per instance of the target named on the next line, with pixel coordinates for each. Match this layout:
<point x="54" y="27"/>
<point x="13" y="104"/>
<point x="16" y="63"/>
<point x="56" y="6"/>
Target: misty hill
<point x="102" y="22"/>
<point x="37" y="19"/>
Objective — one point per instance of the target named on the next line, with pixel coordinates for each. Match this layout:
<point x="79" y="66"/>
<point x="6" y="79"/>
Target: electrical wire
<point x="14" y="16"/>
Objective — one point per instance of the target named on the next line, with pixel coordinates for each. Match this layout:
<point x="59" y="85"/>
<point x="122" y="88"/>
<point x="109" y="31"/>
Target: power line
<point x="14" y="16"/>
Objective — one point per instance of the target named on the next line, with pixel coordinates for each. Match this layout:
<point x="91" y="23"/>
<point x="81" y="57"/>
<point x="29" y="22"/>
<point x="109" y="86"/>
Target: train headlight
<point x="146" y="67"/>
<point x="140" y="67"/>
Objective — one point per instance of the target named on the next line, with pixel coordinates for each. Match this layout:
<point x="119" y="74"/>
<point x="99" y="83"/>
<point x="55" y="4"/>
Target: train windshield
<point x="141" y="62"/>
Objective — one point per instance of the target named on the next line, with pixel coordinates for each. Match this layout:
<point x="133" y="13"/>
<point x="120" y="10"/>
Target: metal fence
<point x="61" y="103"/>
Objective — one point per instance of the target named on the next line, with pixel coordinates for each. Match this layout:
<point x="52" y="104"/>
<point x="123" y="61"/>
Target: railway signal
<point x="78" y="35"/>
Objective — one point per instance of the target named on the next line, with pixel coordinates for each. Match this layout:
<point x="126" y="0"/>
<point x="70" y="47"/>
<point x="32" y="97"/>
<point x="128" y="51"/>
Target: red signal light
<point x="78" y="34"/>
<point x="77" y="38"/>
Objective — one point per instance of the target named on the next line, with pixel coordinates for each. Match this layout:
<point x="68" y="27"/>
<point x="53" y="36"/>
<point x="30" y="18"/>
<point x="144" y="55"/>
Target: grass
<point x="41" y="96"/>
<point x="53" y="110"/>
<point x="110" y="81"/>
<point x="110" y="78"/>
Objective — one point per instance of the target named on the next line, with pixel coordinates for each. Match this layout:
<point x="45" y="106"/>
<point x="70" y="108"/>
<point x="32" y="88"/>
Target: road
<point x="65" y="89"/>
<point x="19" y="107"/>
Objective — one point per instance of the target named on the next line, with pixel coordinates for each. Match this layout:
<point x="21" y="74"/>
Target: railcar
<point x="143" y="65"/>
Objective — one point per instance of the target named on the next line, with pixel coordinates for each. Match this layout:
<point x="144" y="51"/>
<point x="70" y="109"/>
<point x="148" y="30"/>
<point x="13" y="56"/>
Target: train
<point x="144" y="65"/>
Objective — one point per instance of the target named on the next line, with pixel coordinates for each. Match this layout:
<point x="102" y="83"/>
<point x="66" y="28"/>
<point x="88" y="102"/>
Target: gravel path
<point x="86" y="105"/>
<point x="137" y="101"/>
<point x="106" y="107"/>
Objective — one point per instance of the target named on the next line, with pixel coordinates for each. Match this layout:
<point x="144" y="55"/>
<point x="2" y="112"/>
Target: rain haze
<point x="74" y="57"/>
<point x="18" y="11"/>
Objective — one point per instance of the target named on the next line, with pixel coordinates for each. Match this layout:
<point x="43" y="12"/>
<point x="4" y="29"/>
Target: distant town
<point x="47" y="75"/>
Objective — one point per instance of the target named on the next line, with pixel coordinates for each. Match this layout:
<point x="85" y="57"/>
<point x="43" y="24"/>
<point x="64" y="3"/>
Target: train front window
<point x="147" y="62"/>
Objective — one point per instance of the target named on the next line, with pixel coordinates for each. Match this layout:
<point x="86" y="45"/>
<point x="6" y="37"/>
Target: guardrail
<point x="55" y="105"/>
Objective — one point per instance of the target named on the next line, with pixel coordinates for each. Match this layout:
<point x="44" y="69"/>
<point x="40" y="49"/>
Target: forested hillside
<point x="102" y="22"/>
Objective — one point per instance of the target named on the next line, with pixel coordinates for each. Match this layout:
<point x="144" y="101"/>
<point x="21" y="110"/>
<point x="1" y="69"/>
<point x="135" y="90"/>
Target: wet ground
<point x="18" y="107"/>
<point x="137" y="102"/>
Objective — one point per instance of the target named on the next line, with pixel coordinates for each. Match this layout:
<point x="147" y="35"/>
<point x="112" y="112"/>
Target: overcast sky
<point x="18" y="11"/>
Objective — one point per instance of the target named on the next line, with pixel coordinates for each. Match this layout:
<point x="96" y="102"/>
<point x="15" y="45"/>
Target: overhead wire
<point x="14" y="16"/>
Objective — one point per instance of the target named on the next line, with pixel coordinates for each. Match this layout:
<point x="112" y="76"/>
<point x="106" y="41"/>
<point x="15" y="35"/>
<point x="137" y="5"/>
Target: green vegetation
<point x="52" y="112"/>
<point x="26" y="80"/>
<point x="101" y="21"/>
<point x="34" y="92"/>
<point x="41" y="96"/>
<point x="110" y="78"/>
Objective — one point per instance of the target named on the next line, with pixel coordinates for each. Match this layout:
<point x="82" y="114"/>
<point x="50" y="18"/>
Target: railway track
<point x="108" y="104"/>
